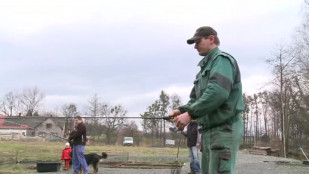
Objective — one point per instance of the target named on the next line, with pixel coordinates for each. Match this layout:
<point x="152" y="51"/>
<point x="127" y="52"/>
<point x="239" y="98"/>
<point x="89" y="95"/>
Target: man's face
<point x="204" y="45"/>
<point x="77" y="121"/>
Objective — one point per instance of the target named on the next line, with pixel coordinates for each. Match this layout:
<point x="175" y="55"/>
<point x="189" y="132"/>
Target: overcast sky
<point x="128" y="51"/>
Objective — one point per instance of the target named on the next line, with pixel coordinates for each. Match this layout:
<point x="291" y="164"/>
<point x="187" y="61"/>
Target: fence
<point x="107" y="130"/>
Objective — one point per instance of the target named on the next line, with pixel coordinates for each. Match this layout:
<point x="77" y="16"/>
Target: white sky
<point x="128" y="51"/>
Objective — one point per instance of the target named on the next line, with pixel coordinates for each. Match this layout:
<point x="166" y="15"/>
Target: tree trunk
<point x="282" y="109"/>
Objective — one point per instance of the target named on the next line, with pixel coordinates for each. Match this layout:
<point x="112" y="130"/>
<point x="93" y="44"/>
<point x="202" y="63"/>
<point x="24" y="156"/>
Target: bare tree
<point x="69" y="112"/>
<point x="164" y="103"/>
<point x="113" y="121"/>
<point x="131" y="129"/>
<point x="300" y="88"/>
<point x="264" y="101"/>
<point x="96" y="127"/>
<point x="30" y="99"/>
<point x="300" y="51"/>
<point x="245" y="115"/>
<point x="94" y="106"/>
<point x="282" y="70"/>
<point x="256" y="113"/>
<point x="286" y="106"/>
<point x="9" y="104"/>
<point x="175" y="101"/>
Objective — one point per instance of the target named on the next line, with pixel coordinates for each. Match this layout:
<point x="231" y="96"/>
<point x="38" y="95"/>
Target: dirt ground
<point x="258" y="164"/>
<point x="247" y="164"/>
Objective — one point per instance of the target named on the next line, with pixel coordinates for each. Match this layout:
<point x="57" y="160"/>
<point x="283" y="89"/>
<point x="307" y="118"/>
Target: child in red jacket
<point x="66" y="156"/>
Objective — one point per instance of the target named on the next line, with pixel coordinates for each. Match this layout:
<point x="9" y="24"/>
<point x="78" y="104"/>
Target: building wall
<point x="8" y="134"/>
<point x="17" y="131"/>
<point x="48" y="130"/>
<point x="30" y="133"/>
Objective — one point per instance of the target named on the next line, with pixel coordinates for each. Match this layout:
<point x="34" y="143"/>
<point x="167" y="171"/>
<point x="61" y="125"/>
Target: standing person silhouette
<point x="193" y="142"/>
<point x="79" y="138"/>
<point x="215" y="103"/>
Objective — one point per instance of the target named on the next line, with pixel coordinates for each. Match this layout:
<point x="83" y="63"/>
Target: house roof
<point x="32" y="122"/>
<point x="7" y="124"/>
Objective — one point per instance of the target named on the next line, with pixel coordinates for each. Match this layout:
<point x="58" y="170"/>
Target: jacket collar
<point x="212" y="52"/>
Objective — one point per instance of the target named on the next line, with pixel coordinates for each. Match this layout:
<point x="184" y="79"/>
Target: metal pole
<point x="304" y="153"/>
<point x="28" y="117"/>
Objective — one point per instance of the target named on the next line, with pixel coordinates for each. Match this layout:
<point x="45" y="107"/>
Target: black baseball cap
<point x="202" y="32"/>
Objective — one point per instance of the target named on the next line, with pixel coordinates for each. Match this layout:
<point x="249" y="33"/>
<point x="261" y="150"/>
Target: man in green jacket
<point x="215" y="103"/>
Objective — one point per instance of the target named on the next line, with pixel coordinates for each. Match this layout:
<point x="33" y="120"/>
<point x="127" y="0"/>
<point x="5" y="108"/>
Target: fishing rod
<point x="101" y="117"/>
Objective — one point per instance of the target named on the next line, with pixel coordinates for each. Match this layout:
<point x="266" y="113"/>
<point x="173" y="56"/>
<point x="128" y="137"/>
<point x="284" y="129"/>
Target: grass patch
<point x="32" y="152"/>
<point x="14" y="169"/>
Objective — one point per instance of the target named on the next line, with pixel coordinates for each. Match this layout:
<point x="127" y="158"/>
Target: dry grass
<point x="21" y="151"/>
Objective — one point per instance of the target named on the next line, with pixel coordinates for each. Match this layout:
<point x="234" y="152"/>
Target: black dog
<point x="94" y="159"/>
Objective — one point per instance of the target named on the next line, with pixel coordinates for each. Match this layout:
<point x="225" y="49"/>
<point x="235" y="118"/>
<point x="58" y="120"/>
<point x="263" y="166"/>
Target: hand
<point x="182" y="120"/>
<point x="198" y="145"/>
<point x="174" y="113"/>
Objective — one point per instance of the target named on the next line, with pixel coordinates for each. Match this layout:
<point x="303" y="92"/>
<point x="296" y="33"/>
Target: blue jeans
<point x="79" y="160"/>
<point x="194" y="160"/>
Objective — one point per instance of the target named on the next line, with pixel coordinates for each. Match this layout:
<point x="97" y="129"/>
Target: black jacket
<point x="79" y="136"/>
<point x="192" y="134"/>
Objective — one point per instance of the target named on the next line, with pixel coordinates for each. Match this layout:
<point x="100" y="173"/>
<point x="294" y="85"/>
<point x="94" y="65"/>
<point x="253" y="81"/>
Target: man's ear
<point x="211" y="38"/>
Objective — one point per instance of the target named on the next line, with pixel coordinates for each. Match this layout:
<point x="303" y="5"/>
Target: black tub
<point x="48" y="166"/>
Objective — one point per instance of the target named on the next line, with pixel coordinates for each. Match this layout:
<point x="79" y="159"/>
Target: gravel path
<point x="247" y="164"/>
<point x="257" y="164"/>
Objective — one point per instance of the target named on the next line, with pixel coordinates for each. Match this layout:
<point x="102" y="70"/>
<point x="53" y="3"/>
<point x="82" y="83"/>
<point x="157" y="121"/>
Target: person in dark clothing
<point x="71" y="133"/>
<point x="79" y="138"/>
<point x="193" y="142"/>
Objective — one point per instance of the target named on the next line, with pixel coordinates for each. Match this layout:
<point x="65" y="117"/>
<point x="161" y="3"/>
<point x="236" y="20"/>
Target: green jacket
<point x="216" y="97"/>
